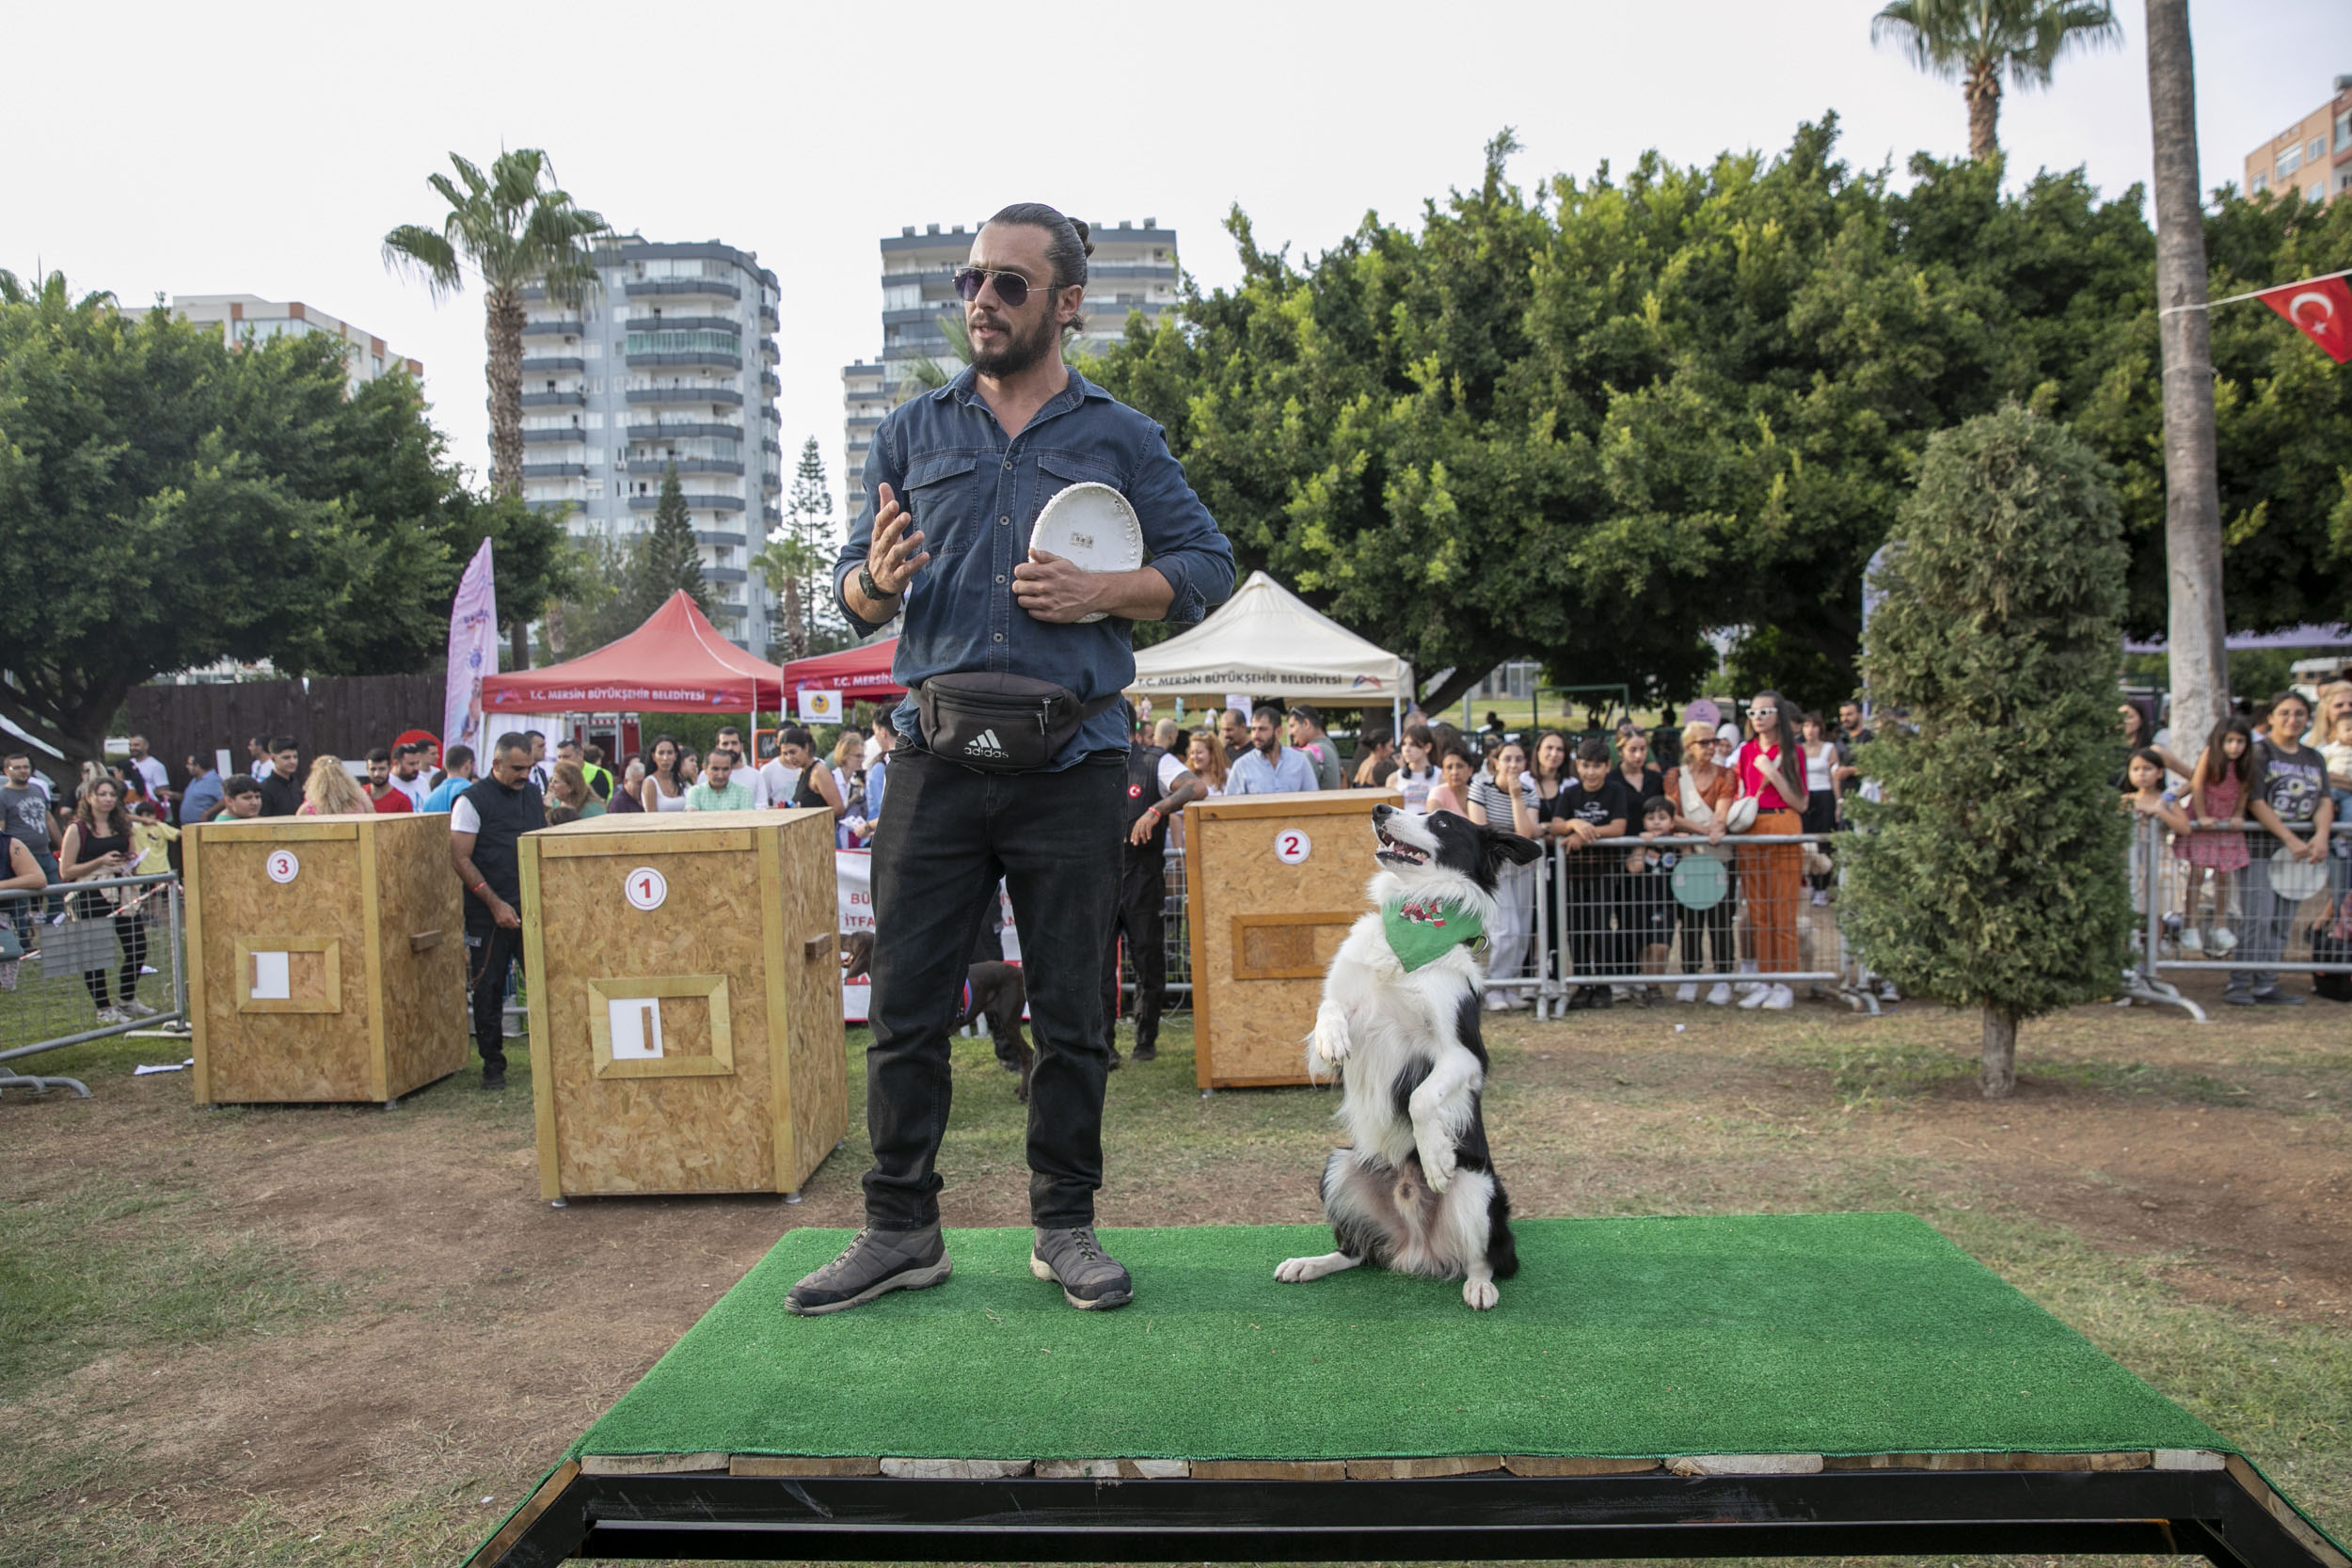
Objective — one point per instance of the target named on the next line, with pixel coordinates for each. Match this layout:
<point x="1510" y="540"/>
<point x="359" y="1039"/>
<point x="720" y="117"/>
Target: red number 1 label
<point x="645" y="888"/>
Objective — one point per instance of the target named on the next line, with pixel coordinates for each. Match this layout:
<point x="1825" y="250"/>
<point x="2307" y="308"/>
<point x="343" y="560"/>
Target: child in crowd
<point x="1499" y="797"/>
<point x="1452" y="792"/>
<point x="1597" y="806"/>
<point x="2288" y="795"/>
<point x="2216" y="847"/>
<point x="2148" y="798"/>
<point x="1646" y="904"/>
<point x="1417" y="778"/>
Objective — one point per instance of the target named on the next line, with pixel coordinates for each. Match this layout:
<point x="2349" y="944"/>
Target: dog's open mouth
<point x="1403" y="854"/>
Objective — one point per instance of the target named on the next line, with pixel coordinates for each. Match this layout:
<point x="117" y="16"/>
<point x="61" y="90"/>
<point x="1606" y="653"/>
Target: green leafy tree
<point x="665" y="558"/>
<point x="1994" y="873"/>
<point x="514" y="230"/>
<point x="1976" y="43"/>
<point x="168" y="500"/>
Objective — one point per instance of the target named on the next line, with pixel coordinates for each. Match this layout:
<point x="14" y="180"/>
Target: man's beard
<point x="1019" y="353"/>
<point x="1270" y="747"/>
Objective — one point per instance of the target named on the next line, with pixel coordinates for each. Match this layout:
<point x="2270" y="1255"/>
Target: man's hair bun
<point x="1085" y="235"/>
<point x="1067" y="245"/>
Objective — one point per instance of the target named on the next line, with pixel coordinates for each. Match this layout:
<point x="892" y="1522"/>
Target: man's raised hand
<point x="896" y="553"/>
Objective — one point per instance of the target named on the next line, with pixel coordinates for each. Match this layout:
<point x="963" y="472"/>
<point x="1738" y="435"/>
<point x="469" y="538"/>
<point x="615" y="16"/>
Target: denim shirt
<point x="976" y="495"/>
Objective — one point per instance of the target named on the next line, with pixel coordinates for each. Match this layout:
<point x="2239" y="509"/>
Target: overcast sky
<point x="264" y="149"/>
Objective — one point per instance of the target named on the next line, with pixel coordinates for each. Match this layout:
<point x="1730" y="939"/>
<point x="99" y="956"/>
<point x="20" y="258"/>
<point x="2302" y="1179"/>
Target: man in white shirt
<point x="408" y="773"/>
<point x="1268" y="768"/>
<point x="151" y="771"/>
<point x="731" y="740"/>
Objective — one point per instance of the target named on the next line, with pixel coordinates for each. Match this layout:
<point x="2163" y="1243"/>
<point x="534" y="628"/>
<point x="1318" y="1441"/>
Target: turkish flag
<point x="2323" y="308"/>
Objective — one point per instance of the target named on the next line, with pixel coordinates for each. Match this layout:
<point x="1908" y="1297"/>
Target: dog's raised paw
<point x="1481" y="1295"/>
<point x="1331" y="1042"/>
<point x="1438" y="1164"/>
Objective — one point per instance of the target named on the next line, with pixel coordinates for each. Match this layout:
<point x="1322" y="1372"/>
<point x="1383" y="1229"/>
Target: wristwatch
<point x="867" y="586"/>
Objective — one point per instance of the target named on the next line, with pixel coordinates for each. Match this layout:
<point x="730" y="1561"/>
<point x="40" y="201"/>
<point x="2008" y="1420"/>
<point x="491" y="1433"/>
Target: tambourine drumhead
<point x="2294" y="879"/>
<point x="1093" y="527"/>
<point x="1699" y="881"/>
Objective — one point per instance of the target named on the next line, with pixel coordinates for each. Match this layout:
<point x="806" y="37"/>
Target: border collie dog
<point x="1417" y="1190"/>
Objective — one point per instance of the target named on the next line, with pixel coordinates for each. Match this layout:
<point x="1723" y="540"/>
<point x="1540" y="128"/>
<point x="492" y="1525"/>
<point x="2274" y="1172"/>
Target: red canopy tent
<point x="676" y="662"/>
<point x="859" y="674"/>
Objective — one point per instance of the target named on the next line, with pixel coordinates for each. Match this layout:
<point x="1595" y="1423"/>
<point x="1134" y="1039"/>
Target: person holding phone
<point x="97" y="848"/>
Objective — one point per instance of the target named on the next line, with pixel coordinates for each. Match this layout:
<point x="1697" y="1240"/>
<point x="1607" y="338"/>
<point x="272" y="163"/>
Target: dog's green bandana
<point x="1422" y="930"/>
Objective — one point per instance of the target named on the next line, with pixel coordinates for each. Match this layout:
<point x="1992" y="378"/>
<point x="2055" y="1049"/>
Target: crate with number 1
<point x="685" y="988"/>
<point x="1272" y="882"/>
<point x="327" y="958"/>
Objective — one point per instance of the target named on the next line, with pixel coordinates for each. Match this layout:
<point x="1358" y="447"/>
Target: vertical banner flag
<point x="2322" y="308"/>
<point x="474" y="654"/>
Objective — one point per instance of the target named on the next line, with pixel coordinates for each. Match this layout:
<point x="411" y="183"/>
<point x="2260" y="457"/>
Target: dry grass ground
<point x="343" y="1337"/>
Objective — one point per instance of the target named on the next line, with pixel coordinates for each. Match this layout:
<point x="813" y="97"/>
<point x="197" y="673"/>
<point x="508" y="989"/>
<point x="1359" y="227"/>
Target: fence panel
<point x="346" y="715"/>
<point x="81" y="960"/>
<point x="2221" y="900"/>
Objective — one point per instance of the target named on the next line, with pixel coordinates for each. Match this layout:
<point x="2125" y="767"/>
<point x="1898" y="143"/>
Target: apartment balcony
<point x="693" y="503"/>
<point x="555" y="471"/>
<point x="724" y="396"/>
<point x="559" y="400"/>
<point x="646" y="322"/>
<point x="685" y="464"/>
<point x="866" y="423"/>
<point x="771" y="481"/>
<point x="692" y="357"/>
<point x="568" y="326"/>
<point x="552" y="364"/>
<point x="774" y="445"/>
<point x="772" y="383"/>
<point x="722" y="610"/>
<point x="725" y="574"/>
<point x="772" y="413"/>
<point x="738" y="541"/>
<point x="769" y="319"/>
<point x="771" y="516"/>
<point x="560" y="435"/>
<point x="769" y="352"/>
<point x="658" y="287"/>
<point x="678" y="430"/>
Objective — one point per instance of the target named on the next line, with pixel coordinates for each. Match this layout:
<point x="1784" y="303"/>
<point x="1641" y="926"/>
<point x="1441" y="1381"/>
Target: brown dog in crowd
<point x="991" y="988"/>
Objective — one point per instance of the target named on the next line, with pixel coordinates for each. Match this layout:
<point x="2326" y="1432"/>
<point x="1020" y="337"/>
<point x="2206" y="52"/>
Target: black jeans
<point x="950" y="833"/>
<point x="1143" y="915"/>
<point x="490" y="953"/>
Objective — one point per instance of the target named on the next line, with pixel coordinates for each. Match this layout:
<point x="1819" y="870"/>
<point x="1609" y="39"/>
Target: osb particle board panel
<point x="254" y="1057"/>
<point x="685" y="1134"/>
<point x="1252" y="1031"/>
<point x="421" y="952"/>
<point x="819" y="1063"/>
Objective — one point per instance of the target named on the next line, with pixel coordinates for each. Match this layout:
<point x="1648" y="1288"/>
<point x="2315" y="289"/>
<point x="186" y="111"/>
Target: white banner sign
<point x="853" y="885"/>
<point x="473" y="652"/>
<point x="820" y="707"/>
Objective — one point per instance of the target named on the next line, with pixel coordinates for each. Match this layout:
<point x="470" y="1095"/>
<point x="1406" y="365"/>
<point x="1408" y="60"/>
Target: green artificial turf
<point x="1853" y="1334"/>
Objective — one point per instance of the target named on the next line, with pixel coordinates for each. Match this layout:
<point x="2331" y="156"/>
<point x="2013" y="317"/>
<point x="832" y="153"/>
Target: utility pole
<point x="2192" y="496"/>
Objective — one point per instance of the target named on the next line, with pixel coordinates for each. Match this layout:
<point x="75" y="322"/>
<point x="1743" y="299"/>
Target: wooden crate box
<point x="1272" y="882"/>
<point x="685" y="988"/>
<point x="327" y="958"/>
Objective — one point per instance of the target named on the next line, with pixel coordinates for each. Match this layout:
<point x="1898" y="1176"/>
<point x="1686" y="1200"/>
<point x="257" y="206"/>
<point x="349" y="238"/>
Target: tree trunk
<point x="2192" y="499"/>
<point x="1999" y="1076"/>
<point x="795" y="631"/>
<point x="1982" y="88"/>
<point x="503" y="327"/>
<point x="1438" y="698"/>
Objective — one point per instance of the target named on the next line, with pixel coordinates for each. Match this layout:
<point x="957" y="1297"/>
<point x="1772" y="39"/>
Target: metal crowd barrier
<point x="2245" y="921"/>
<point x="46" y="1001"/>
<point x="1599" y="924"/>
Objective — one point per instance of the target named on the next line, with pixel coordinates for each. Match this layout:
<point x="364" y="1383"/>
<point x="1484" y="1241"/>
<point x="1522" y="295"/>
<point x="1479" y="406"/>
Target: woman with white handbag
<point x="1771" y="775"/>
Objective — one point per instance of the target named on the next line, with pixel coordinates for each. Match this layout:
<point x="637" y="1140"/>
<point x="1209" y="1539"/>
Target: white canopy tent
<point x="1267" y="641"/>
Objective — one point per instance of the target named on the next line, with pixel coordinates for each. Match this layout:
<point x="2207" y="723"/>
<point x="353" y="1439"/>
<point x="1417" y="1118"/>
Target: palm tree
<point x="513" y="228"/>
<point x="1975" y="41"/>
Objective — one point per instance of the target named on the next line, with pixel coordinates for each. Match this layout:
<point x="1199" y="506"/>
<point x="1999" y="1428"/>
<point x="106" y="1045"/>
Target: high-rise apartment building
<point x="671" y="363"/>
<point x="249" y="318"/>
<point x="2314" y="155"/>
<point x="1133" y="268"/>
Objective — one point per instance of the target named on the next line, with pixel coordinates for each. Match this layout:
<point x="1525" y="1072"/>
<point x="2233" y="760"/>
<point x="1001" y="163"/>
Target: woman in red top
<point x="1772" y="768"/>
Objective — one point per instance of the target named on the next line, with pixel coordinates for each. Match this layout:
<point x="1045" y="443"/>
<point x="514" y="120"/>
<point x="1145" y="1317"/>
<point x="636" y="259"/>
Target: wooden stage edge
<point x="1463" y="1506"/>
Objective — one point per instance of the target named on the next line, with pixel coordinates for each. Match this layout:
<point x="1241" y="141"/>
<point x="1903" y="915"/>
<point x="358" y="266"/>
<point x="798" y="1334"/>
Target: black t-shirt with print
<point x="2292" y="786"/>
<point x="1612" y="802"/>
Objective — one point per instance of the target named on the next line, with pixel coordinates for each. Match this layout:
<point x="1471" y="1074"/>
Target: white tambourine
<point x="1092" y="526"/>
<point x="2294" y="880"/>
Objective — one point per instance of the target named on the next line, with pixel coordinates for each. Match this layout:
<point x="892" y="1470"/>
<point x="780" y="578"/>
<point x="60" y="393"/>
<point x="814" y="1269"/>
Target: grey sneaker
<point x="875" y="1262"/>
<point x="2277" y="999"/>
<point x="131" y="1007"/>
<point x="1090" y="1279"/>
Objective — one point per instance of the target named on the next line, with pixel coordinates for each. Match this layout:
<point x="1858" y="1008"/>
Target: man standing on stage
<point x="484" y="827"/>
<point x="958" y="477"/>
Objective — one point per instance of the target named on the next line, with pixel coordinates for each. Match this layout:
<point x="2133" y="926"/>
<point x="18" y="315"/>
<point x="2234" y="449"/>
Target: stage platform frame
<point x="2212" y="1505"/>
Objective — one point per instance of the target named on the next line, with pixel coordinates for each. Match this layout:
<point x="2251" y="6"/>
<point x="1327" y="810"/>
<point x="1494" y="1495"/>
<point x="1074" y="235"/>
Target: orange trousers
<point x="1772" y="877"/>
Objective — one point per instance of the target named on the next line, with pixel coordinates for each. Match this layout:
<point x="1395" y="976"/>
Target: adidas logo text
<point x="984" y="745"/>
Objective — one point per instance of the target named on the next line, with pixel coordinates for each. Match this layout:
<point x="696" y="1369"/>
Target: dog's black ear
<point x="1511" y="848"/>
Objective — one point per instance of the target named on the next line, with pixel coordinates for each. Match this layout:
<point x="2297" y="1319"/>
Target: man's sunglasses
<point x="1012" y="287"/>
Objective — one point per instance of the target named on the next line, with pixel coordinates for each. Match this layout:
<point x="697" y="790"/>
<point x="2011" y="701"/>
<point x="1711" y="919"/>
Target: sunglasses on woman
<point x="1012" y="287"/>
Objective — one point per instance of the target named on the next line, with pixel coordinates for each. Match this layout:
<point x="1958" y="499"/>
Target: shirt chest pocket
<point x="942" y="493"/>
<point x="1057" y="470"/>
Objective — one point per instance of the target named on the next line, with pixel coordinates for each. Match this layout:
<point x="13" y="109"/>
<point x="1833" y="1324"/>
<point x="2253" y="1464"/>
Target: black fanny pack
<point x="1000" y="723"/>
